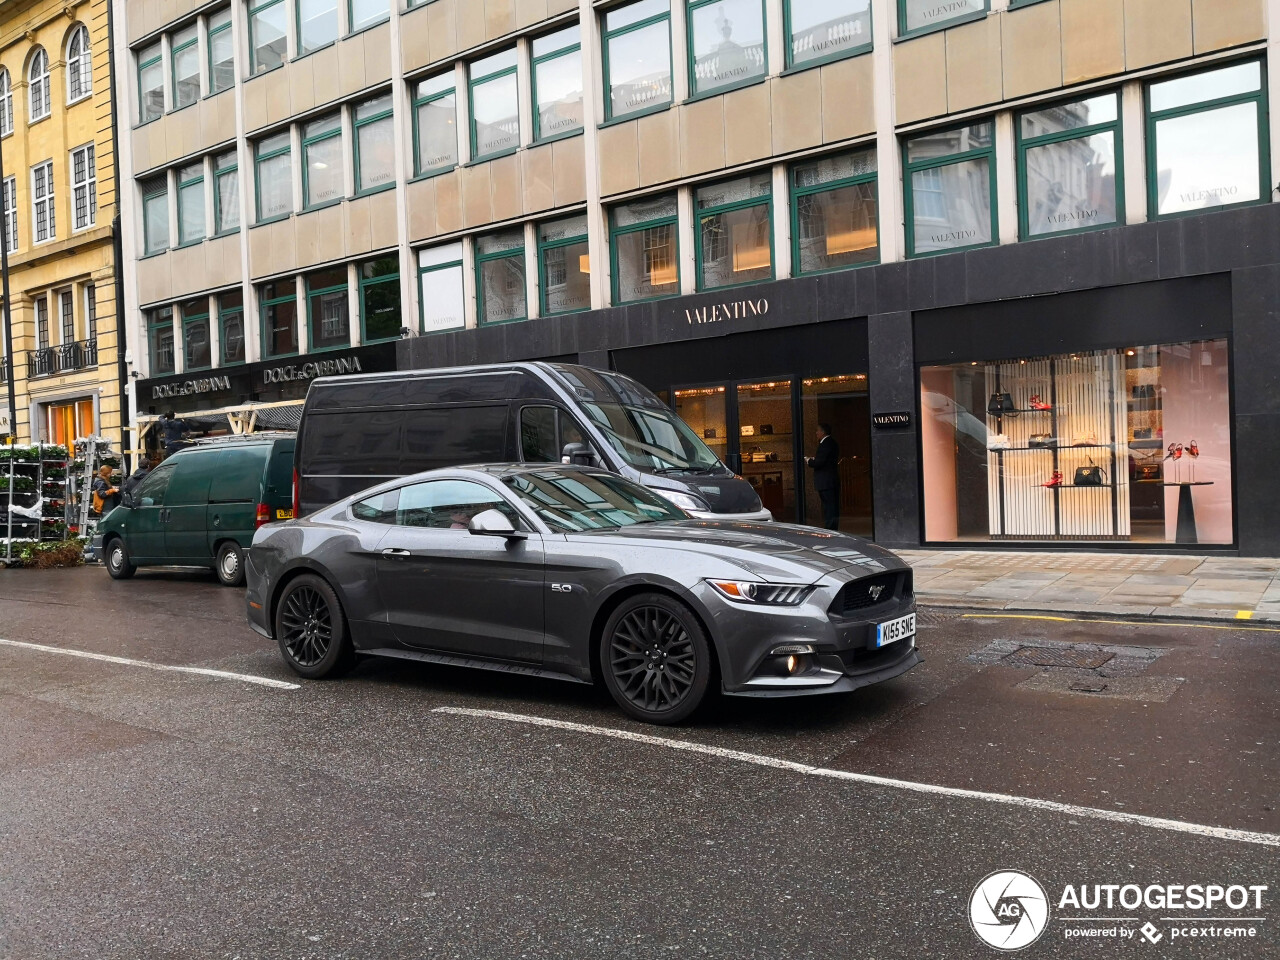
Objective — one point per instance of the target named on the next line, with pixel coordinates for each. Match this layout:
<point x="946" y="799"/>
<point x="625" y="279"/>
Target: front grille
<point x="873" y="591"/>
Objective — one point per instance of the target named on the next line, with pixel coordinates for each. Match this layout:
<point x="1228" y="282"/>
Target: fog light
<point x="792" y="663"/>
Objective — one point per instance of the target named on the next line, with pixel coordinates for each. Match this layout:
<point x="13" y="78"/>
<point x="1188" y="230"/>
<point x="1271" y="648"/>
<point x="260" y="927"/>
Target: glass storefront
<point x="1128" y="445"/>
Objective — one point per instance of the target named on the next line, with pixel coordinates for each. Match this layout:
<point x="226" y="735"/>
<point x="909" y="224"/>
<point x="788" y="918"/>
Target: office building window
<point x="226" y="193"/>
<point x="79" y="65"/>
<point x="279" y="305"/>
<point x="67" y="316"/>
<point x="495" y="106"/>
<point x="564" y="266"/>
<point x="184" y="56"/>
<point x="726" y="44"/>
<point x="222" y="52"/>
<point x="160" y="340"/>
<point x="84" y="187"/>
<point x="275" y="177"/>
<point x="11" y="212"/>
<point x="90" y="311"/>
<point x="1207" y="140"/>
<point x="834" y="213"/>
<point x="951" y="189"/>
<point x="322" y="161"/>
<point x="42" y="322"/>
<point x="380" y="299"/>
<point x="317" y="25"/>
<point x="557" y="84"/>
<point x="231" y="325"/>
<point x="441" y="282"/>
<point x="644" y="240"/>
<point x="6" y="103"/>
<point x="500" y="279"/>
<point x="42" y="208"/>
<point x="328" y="309"/>
<point x="150" y="83"/>
<point x="375" y="145"/>
<point x="636" y="45"/>
<point x="155" y="215"/>
<point x="268" y="35"/>
<point x="735" y="232"/>
<point x="435" y="126"/>
<point x="915" y="16"/>
<point x="366" y="13"/>
<point x="1069" y="167"/>
<point x="38" y="93"/>
<point x="191" y="228"/>
<point x="197" y="350"/>
<point x="819" y="31"/>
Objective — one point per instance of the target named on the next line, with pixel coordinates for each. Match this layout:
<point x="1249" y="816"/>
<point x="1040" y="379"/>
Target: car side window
<point x="380" y="508"/>
<point x="151" y="491"/>
<point x="544" y="431"/>
<point x="449" y="504"/>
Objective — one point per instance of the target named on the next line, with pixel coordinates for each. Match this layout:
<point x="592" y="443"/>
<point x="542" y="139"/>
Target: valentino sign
<point x="733" y="310"/>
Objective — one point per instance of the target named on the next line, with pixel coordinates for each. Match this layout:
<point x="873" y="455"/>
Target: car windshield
<point x="569" y="501"/>
<point x="636" y="423"/>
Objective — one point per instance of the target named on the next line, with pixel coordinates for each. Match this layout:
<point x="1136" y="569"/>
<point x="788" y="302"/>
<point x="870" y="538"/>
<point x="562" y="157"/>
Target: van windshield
<point x="637" y="424"/>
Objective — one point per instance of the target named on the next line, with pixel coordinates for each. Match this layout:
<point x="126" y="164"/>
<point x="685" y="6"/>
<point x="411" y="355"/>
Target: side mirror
<point x="578" y="454"/>
<point x="494" y="523"/>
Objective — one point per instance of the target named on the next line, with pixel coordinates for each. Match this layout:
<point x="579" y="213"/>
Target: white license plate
<point x="894" y="630"/>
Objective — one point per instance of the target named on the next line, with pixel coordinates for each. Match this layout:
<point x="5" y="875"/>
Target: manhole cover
<point x="1050" y="657"/>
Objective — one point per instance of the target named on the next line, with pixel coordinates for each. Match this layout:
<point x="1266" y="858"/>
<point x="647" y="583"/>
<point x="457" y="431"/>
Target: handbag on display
<point x="1142" y="433"/>
<point x="1089" y="440"/>
<point x="1001" y="404"/>
<point x="1148" y="471"/>
<point x="1090" y="476"/>
<point x="1041" y="440"/>
<point x="998" y="441"/>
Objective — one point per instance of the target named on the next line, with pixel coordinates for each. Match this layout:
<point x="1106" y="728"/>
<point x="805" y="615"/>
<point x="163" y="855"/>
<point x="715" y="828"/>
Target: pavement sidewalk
<point x="1100" y="584"/>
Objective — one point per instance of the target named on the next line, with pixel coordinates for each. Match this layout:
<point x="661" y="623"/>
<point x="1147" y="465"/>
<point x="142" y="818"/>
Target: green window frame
<point x="372" y="118"/>
<point x="444" y="260"/>
<point x="837" y="44"/>
<point x="222" y="73"/>
<point x="1015" y="4"/>
<point x="279" y="145"/>
<point x="148" y="109"/>
<point x="318" y="293"/>
<point x="711" y="239"/>
<point x="269" y="299"/>
<point x="710" y="13"/>
<point x="1221" y="104"/>
<point x="557" y="241"/>
<point x="226" y="186"/>
<point x="155" y="200"/>
<point x="1085" y="132"/>
<point x="373" y="282"/>
<point x="323" y="8"/>
<point x="318" y="133"/>
<point x="936" y="164"/>
<point x="498" y="73"/>
<point x="257" y="64"/>
<point x="497" y="253"/>
<point x="161" y="352"/>
<point x="230" y="311"/>
<point x="801" y="192"/>
<point x="183" y="95"/>
<point x="191" y="220"/>
<point x="431" y="91"/>
<point x="934" y="15"/>
<point x="547" y="50"/>
<point x="661" y="228"/>
<point x="381" y="15"/>
<point x="190" y="320"/>
<point x="615" y="29"/>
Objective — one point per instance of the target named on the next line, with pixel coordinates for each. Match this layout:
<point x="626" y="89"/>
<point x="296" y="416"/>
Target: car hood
<point x="768" y="551"/>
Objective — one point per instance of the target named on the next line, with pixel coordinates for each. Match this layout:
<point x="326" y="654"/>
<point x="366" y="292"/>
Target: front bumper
<point x="761" y="516"/>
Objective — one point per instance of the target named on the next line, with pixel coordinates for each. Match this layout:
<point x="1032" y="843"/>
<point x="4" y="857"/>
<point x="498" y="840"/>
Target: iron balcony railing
<point x="64" y="358"/>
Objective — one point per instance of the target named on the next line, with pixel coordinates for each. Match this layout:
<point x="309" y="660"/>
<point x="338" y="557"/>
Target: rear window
<point x="449" y="436"/>
<point x="392" y="443"/>
<point x="356" y="444"/>
<point x="238" y="474"/>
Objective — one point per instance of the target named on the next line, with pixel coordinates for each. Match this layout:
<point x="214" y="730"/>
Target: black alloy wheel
<point x="119" y="566"/>
<point x="311" y="629"/>
<point x="656" y="659"/>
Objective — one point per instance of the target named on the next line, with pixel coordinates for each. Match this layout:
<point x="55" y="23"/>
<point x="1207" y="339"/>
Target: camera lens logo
<point x="1008" y="910"/>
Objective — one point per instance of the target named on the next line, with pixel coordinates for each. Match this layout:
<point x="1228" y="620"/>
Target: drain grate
<point x="1058" y="657"/>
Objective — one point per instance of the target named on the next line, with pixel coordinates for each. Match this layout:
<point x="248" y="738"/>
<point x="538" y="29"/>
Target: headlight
<point x="762" y="594"/>
<point x="684" y="501"/>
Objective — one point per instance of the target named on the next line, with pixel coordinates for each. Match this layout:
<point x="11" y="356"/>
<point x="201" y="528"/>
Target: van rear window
<point x="358" y="444"/>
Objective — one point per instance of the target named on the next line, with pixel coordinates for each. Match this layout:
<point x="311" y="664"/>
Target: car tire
<point x="311" y="629"/>
<point x="656" y="658"/>
<point x="116" y="558"/>
<point x="229" y="564"/>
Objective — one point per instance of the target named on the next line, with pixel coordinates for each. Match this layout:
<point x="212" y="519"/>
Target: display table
<point x="1186" y="510"/>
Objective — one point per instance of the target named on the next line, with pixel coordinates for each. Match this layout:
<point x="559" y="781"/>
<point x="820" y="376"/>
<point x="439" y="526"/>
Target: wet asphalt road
<point x="149" y="814"/>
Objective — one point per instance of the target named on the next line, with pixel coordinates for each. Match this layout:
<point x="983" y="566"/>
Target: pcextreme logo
<point x="1008" y="910"/>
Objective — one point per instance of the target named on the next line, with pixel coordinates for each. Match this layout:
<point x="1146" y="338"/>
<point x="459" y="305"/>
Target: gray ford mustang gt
<point x="579" y="574"/>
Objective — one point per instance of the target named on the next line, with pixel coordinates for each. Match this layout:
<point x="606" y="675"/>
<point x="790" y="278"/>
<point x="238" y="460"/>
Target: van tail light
<point x="296" y="512"/>
<point x="263" y="516"/>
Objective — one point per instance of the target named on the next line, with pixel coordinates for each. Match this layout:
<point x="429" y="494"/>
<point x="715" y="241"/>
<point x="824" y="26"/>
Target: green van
<point x="200" y="508"/>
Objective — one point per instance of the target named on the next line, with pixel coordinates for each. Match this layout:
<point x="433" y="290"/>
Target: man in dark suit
<point x="826" y="476"/>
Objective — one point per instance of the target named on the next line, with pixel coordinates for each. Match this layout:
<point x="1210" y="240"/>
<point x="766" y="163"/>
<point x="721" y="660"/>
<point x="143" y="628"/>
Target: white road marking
<point x="126" y="662"/>
<point x="1030" y="803"/>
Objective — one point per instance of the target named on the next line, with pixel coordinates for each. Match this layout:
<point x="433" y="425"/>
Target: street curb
<point x="1156" y="614"/>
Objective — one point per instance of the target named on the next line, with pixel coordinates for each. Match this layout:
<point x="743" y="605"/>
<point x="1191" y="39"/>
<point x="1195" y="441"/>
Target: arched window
<point x="38" y="85"/>
<point x="6" y="104"/>
<point x="79" y="65"/>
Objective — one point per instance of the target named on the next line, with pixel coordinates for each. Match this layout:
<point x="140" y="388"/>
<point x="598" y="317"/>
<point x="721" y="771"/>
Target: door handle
<point x="396" y="553"/>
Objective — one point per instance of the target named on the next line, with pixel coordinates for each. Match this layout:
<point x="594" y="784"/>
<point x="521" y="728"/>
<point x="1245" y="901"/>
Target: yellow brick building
<point x="59" y="190"/>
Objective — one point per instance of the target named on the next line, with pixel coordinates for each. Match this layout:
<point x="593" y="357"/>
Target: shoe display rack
<point x="1077" y="420"/>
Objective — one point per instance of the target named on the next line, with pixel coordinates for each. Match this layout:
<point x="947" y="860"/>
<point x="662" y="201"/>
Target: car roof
<point x="536" y="367"/>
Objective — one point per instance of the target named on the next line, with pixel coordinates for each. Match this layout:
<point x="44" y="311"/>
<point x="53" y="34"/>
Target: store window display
<point x="1130" y="444"/>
